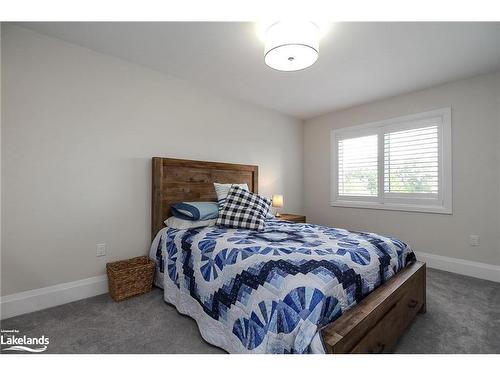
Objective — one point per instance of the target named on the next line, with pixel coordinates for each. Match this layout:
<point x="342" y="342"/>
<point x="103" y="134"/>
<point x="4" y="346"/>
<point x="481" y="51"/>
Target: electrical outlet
<point x="474" y="240"/>
<point x="101" y="250"/>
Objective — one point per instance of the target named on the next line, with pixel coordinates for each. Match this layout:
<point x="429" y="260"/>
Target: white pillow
<point x="177" y="223"/>
<point x="270" y="215"/>
<point x="223" y="189"/>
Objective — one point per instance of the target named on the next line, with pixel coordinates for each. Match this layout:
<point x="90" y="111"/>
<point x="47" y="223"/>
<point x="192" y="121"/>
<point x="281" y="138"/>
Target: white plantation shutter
<point x="411" y="160"/>
<point x="358" y="166"/>
<point x="397" y="164"/>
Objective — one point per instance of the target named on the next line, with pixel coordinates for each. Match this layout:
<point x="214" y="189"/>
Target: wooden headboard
<point x="177" y="180"/>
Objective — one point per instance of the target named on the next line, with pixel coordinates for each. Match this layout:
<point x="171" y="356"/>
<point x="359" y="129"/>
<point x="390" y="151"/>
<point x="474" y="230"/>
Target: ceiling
<point x="358" y="62"/>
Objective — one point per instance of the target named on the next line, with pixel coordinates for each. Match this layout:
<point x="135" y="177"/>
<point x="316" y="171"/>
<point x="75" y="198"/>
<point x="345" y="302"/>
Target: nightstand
<point x="292" y="217"/>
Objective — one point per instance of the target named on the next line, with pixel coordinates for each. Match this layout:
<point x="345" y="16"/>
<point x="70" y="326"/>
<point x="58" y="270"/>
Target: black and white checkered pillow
<point x="243" y="209"/>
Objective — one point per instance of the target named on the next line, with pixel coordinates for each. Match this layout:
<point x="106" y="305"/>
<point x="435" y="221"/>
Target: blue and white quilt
<point x="272" y="291"/>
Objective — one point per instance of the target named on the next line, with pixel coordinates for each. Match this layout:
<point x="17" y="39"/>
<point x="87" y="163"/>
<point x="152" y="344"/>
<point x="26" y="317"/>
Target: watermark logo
<point x="12" y="341"/>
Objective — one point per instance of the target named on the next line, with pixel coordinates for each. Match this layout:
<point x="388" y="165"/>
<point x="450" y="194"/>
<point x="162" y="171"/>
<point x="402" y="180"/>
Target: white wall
<point x="79" y="130"/>
<point x="476" y="171"/>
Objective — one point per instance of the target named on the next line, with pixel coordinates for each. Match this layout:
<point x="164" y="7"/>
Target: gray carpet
<point x="463" y="316"/>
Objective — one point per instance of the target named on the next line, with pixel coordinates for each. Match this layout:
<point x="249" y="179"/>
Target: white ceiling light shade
<point x="291" y="46"/>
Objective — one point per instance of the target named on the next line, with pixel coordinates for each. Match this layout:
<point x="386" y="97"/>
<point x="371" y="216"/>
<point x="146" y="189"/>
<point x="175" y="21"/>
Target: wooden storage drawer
<point x="377" y="322"/>
<point x="384" y="335"/>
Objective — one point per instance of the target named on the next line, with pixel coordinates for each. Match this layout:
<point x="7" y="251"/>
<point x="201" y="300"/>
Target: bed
<point x="293" y="288"/>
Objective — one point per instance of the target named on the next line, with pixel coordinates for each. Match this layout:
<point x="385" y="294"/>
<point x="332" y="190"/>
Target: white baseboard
<point x="43" y="298"/>
<point x="461" y="266"/>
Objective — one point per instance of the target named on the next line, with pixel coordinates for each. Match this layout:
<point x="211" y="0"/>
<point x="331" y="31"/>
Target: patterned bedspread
<point x="271" y="291"/>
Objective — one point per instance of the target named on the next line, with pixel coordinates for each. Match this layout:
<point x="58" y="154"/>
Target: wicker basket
<point x="130" y="277"/>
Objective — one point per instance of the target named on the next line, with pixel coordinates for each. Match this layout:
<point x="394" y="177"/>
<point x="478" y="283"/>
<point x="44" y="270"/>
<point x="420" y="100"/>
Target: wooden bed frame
<point x="373" y="326"/>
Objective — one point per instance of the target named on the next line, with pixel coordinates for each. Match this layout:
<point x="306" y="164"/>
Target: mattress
<point x="271" y="291"/>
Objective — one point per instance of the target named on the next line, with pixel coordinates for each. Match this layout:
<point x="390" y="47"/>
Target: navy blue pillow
<point x="195" y="210"/>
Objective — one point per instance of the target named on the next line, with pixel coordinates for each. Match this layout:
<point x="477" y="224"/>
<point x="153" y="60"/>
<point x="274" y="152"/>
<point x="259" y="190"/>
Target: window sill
<point x="393" y="206"/>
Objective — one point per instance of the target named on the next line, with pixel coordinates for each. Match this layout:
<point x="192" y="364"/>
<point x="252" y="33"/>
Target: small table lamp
<point x="277" y="202"/>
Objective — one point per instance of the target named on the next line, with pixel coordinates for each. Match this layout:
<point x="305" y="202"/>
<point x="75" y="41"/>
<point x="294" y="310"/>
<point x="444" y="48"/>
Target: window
<point x="358" y="168"/>
<point x="397" y="164"/>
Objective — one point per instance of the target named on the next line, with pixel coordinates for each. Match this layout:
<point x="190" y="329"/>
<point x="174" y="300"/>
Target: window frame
<point x="394" y="201"/>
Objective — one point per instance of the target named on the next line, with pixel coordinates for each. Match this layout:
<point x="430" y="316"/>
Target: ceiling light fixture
<point x="291" y="45"/>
